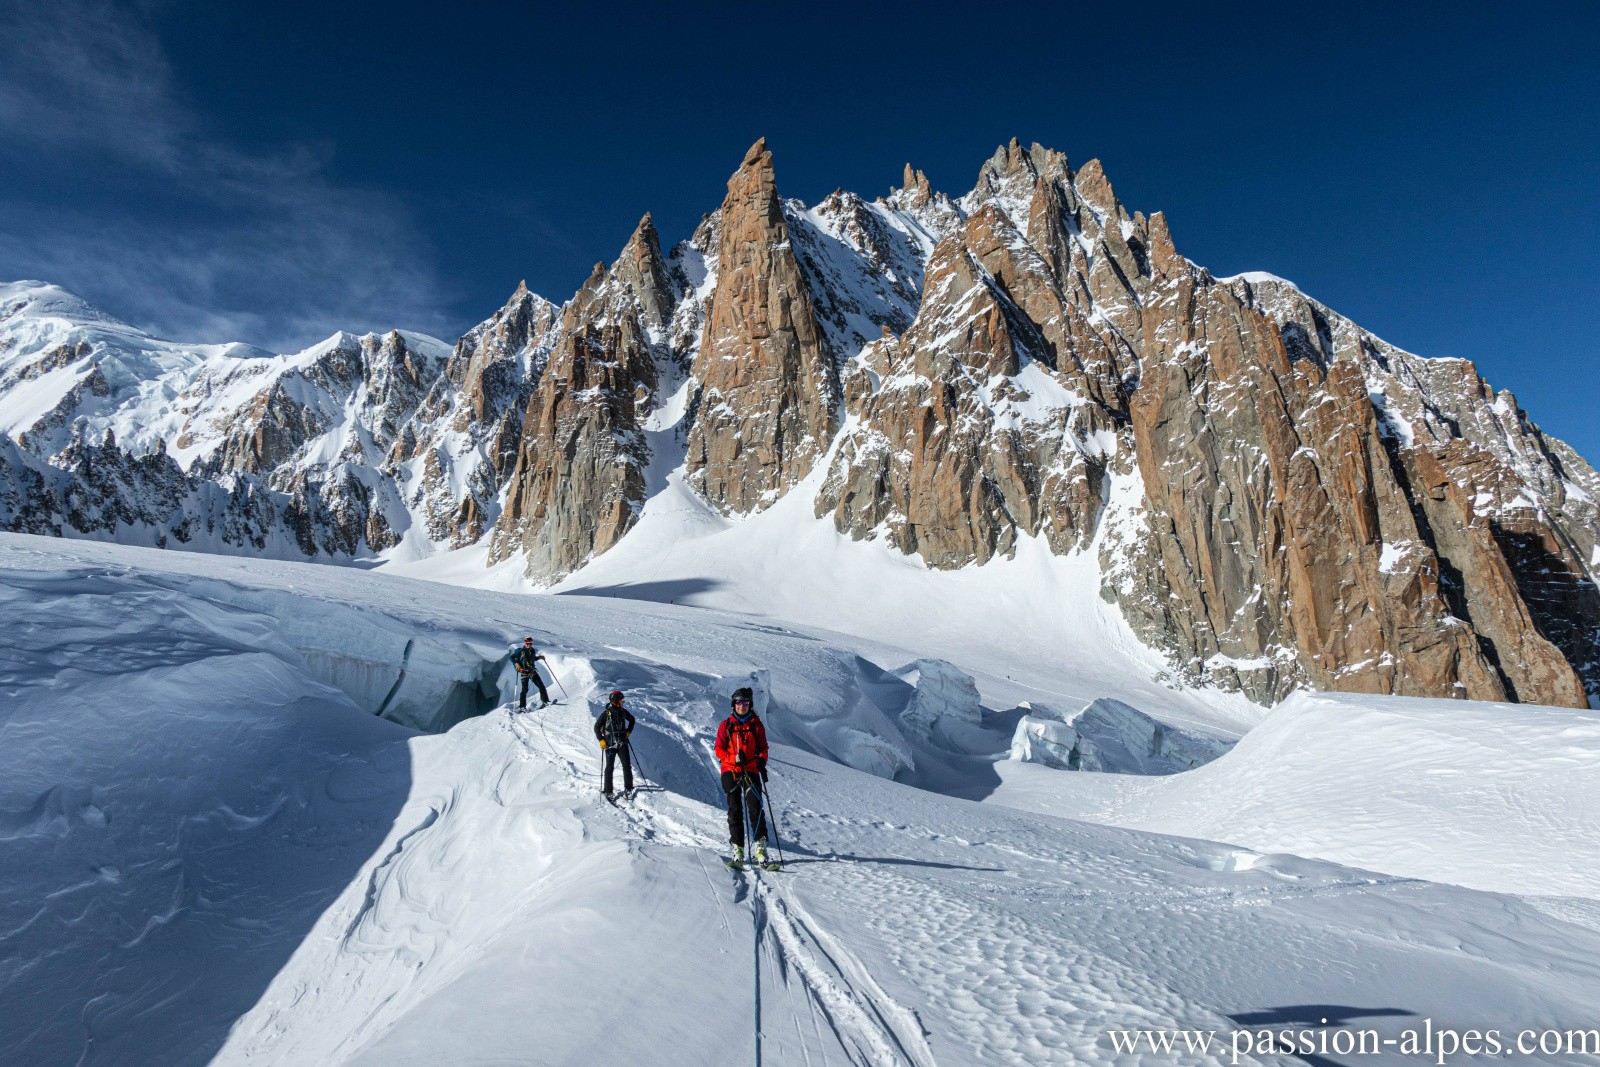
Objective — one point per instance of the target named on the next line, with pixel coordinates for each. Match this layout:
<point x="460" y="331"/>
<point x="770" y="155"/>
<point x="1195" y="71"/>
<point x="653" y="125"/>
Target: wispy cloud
<point x="111" y="186"/>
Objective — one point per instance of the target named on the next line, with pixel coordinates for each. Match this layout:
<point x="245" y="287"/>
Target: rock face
<point x="768" y="382"/>
<point x="320" y="431"/>
<point x="580" y="476"/>
<point x="1274" y="497"/>
<point x="1281" y="524"/>
<point x="966" y="437"/>
<point x="467" y="432"/>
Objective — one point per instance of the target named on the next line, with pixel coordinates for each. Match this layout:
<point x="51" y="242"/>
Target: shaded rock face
<point x="101" y="490"/>
<point x="768" y="382"/>
<point x="580" y="476"/>
<point x="624" y="346"/>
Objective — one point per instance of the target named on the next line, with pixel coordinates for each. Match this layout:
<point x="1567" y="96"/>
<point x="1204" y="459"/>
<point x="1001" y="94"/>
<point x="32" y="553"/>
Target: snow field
<point x="1499" y="797"/>
<point x="299" y="881"/>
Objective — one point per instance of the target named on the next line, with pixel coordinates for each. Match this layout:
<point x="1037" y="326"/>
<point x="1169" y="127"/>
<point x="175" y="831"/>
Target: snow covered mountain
<point x="1272" y="497"/>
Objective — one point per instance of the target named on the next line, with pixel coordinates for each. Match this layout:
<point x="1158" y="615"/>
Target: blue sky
<point x="273" y="172"/>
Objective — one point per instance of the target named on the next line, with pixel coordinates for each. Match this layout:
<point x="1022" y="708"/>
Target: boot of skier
<point x="741" y="750"/>
<point x="611" y="729"/>
<point x="526" y="661"/>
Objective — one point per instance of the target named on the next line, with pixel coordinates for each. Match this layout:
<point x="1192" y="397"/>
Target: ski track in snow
<point x="865" y="1024"/>
<point x="256" y="870"/>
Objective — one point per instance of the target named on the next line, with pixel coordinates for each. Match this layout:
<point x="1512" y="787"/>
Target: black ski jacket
<point x="614" y="725"/>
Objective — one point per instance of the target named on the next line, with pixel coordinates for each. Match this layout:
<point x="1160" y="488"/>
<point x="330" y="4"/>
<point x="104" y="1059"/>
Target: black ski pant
<point x="522" y="701"/>
<point x="627" y="766"/>
<point x="742" y="789"/>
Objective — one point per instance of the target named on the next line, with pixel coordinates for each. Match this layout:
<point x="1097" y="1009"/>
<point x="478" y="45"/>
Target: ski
<point x="733" y="864"/>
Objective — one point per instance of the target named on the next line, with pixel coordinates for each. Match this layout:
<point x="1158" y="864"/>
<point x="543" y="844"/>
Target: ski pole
<point x="556" y="680"/>
<point x="752" y="794"/>
<point x="772" y="820"/>
<point x="638" y="764"/>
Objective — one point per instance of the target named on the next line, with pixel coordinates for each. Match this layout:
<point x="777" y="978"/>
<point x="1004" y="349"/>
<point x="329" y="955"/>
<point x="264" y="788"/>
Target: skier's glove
<point x="602" y="744"/>
<point x="763" y="770"/>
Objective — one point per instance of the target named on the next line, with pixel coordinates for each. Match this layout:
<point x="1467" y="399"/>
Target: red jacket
<point x="742" y="746"/>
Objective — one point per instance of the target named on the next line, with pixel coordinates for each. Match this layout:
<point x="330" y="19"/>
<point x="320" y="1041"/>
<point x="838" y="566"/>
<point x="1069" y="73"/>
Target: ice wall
<point x="1108" y="735"/>
<point x="426" y="680"/>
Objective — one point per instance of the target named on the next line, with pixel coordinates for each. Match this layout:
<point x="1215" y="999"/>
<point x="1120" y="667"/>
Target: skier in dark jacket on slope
<point x="526" y="661"/>
<point x="611" y="729"/>
<point x="741" y="750"/>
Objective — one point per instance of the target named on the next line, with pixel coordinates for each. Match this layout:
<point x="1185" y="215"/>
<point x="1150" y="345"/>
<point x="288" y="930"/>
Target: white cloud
<point x="120" y="194"/>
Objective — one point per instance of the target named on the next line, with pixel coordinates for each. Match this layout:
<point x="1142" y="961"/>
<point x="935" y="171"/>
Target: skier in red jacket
<point x="741" y="749"/>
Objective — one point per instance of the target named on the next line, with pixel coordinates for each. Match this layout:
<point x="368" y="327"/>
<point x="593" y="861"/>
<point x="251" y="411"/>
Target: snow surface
<point x="1259" y="277"/>
<point x="1499" y="797"/>
<point x="1037" y="621"/>
<point x="211" y="849"/>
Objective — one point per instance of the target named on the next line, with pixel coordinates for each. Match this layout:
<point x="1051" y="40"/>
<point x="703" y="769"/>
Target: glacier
<point x="212" y="849"/>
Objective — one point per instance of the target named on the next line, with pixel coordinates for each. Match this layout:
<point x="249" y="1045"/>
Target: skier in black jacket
<point x="611" y="729"/>
<point x="526" y="661"/>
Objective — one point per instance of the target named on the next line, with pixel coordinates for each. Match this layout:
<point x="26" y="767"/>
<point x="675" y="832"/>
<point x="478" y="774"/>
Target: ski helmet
<point x="746" y="697"/>
<point x="616" y="696"/>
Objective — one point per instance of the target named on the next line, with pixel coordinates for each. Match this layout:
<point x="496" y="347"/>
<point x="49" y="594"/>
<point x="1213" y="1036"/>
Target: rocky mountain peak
<point x="642" y="268"/>
<point x="914" y="191"/>
<point x="1095" y="188"/>
<point x="768" y="383"/>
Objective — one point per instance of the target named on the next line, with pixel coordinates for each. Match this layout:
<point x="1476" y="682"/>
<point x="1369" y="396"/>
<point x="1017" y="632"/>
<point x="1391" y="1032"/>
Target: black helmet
<point x="744" y="695"/>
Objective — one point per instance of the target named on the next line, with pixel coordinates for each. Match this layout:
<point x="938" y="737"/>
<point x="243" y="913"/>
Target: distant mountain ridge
<point x="1276" y="497"/>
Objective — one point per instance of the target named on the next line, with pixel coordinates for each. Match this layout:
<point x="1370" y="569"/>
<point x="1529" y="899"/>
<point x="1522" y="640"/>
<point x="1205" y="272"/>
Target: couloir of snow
<point x="212" y="849"/>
